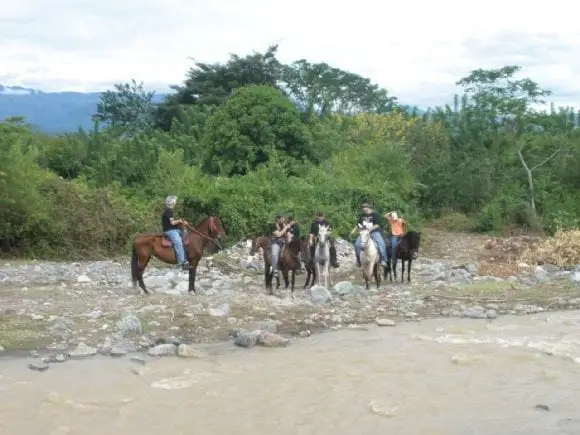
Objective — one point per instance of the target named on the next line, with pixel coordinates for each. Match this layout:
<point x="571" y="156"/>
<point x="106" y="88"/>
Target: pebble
<point x="169" y="349"/>
<point x="385" y="322"/>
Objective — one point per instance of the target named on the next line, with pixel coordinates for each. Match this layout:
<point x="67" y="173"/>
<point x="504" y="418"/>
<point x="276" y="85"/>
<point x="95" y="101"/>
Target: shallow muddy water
<point x="444" y="376"/>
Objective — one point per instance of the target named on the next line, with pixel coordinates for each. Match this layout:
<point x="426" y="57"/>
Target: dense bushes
<point x="85" y="194"/>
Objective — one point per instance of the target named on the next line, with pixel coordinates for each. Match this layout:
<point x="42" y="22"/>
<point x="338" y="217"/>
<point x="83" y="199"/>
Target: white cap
<point x="394" y="215"/>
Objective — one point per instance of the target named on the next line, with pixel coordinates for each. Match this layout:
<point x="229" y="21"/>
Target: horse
<point x="406" y="250"/>
<point x="289" y="262"/>
<point x="369" y="258"/>
<point x="145" y="246"/>
<point x="260" y="242"/>
<point x="308" y="262"/>
<point x="322" y="255"/>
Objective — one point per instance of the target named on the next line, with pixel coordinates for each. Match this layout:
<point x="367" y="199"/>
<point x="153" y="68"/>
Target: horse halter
<point x="212" y="229"/>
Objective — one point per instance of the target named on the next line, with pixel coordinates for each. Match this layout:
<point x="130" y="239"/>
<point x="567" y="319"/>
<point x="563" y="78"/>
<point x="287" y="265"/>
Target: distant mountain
<point x="51" y="112"/>
<point x="57" y="112"/>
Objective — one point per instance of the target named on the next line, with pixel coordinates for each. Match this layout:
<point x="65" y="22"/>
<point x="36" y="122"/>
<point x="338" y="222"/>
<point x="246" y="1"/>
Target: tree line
<point x="252" y="136"/>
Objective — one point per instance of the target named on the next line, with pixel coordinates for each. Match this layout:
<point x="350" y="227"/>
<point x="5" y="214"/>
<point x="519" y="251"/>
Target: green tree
<point x="214" y="83"/>
<point x="318" y="88"/>
<point x="505" y="103"/>
<point x="254" y="122"/>
<point x="129" y="107"/>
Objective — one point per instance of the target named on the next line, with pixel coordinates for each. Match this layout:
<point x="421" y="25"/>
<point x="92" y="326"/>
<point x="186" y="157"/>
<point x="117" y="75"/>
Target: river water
<point x="443" y="376"/>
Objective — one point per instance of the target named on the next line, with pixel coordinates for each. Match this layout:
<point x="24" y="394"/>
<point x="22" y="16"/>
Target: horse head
<point x="323" y="234"/>
<point x="215" y="229"/>
<point x="365" y="236"/>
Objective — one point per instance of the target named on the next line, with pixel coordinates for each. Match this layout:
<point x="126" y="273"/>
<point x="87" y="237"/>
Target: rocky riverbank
<point x="80" y="309"/>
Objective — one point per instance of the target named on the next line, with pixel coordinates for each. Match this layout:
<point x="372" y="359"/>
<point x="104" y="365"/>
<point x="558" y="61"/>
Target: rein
<point x="204" y="236"/>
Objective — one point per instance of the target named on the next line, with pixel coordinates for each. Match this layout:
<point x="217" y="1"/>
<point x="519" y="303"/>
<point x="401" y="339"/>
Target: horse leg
<point x="138" y="265"/>
<point x="268" y="278"/>
<point x="409" y="270"/>
<point x="394" y="270"/>
<point x="328" y="276"/>
<point x="318" y="272"/>
<point x="402" y="270"/>
<point x="286" y="280"/>
<point x="192" y="276"/>
<point x="377" y="275"/>
<point x="292" y="283"/>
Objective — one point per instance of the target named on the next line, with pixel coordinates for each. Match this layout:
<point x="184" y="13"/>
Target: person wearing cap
<point x="171" y="227"/>
<point x="280" y="231"/>
<point x="398" y="227"/>
<point x="314" y="227"/>
<point x="372" y="220"/>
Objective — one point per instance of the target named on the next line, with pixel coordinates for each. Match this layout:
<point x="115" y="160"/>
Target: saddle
<point x="166" y="243"/>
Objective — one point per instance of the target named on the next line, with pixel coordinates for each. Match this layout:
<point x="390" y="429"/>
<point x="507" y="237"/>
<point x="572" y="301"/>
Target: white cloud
<point x="417" y="49"/>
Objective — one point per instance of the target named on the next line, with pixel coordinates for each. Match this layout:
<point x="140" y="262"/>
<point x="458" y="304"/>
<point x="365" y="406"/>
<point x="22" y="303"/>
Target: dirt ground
<point x="28" y="316"/>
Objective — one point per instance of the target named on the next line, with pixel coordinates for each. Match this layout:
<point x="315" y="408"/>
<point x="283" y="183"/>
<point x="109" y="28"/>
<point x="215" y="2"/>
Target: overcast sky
<point x="416" y="49"/>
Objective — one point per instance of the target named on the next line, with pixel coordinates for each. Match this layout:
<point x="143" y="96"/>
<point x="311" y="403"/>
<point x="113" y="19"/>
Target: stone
<point x="38" y="366"/>
<point x="83" y="279"/>
<point x="246" y="338"/>
<point x="344" y="288"/>
<point x="320" y="295"/>
<point x="130" y="323"/>
<point x="187" y="351"/>
<point x="220" y="311"/>
<point x="83" y="351"/>
<point x="575" y="277"/>
<point x="117" y="352"/>
<point x="476" y="312"/>
<point x="268" y="339"/>
<point x="385" y="322"/>
<point x="163" y="350"/>
<point x="491" y="314"/>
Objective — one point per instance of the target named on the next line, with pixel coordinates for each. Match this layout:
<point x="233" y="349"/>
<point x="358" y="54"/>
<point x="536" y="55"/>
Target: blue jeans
<point x="175" y="237"/>
<point x="378" y="238"/>
<point x="394" y="242"/>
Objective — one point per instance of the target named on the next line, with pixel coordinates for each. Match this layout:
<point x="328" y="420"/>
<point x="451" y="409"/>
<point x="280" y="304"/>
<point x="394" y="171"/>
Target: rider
<point x="321" y="220"/>
<point x="371" y="219"/>
<point x="398" y="227"/>
<point x="280" y="232"/>
<point x="172" y="230"/>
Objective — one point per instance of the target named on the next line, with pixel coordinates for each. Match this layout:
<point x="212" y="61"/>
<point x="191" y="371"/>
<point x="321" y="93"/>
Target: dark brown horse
<point x="308" y="262"/>
<point x="260" y="242"/>
<point x="406" y="250"/>
<point x="289" y="262"/>
<point x="145" y="246"/>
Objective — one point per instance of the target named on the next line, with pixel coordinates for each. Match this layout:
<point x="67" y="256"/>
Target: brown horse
<point x="308" y="262"/>
<point x="289" y="262"/>
<point x="260" y="242"/>
<point x="145" y="246"/>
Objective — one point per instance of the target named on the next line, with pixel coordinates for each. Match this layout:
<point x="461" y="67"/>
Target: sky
<point x="417" y="50"/>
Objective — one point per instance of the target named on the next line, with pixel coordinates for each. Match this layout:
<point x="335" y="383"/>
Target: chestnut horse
<point x="145" y="246"/>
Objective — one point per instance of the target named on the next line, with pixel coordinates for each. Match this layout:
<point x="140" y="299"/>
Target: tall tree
<point x="254" y="123"/>
<point x="129" y="107"/>
<point x="213" y="83"/>
<point x="505" y="103"/>
<point x="320" y="89"/>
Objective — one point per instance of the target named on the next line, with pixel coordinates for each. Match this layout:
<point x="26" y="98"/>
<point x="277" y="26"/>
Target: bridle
<point x="212" y="229"/>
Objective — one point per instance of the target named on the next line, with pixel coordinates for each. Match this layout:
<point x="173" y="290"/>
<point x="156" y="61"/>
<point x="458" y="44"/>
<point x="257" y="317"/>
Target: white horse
<point x="322" y="255"/>
<point x="369" y="258"/>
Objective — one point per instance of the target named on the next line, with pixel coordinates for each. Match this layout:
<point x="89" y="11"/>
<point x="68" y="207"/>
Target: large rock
<point x="320" y="295"/>
<point x="344" y="288"/>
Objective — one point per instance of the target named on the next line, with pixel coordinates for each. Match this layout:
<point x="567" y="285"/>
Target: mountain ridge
<point x="55" y="112"/>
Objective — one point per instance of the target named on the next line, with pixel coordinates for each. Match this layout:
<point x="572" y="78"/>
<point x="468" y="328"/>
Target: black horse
<point x="407" y="250"/>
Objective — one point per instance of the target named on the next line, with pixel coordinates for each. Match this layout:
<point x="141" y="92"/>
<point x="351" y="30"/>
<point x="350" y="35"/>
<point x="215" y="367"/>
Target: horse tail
<point x="134" y="264"/>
